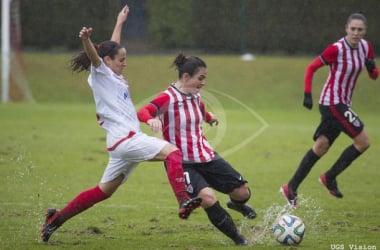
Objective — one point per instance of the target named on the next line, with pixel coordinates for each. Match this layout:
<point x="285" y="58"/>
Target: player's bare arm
<point x="84" y="35"/>
<point x="121" y="18"/>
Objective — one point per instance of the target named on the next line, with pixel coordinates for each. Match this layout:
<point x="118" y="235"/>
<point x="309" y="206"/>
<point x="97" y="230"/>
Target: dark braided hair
<point x="81" y="62"/>
<point x="188" y="65"/>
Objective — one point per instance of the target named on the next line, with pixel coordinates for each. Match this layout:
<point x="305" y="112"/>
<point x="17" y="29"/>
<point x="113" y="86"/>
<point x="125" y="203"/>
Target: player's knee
<point x="241" y="194"/>
<point x="361" y="142"/>
<point x="321" y="146"/>
<point x="167" y="151"/>
<point x="362" y="146"/>
<point x="208" y="197"/>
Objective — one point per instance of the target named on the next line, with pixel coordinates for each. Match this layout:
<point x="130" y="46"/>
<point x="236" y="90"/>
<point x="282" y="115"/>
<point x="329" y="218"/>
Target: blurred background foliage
<point x="215" y="26"/>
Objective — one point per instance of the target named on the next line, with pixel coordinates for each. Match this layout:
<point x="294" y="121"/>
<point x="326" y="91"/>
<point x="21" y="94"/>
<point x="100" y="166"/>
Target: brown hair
<point x="81" y="62"/>
<point x="188" y="65"/>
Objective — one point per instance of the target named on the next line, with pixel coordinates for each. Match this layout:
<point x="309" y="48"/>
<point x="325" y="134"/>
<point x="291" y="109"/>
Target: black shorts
<point x="217" y="174"/>
<point x="336" y="119"/>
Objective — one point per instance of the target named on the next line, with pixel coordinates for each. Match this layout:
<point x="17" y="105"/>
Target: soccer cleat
<point x="290" y="197"/>
<point x="51" y="224"/>
<point x="188" y="206"/>
<point x="240" y="240"/>
<point x="331" y="185"/>
<point x="244" y="209"/>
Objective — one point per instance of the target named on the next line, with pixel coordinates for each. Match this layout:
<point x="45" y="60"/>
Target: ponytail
<point x="188" y="65"/>
<point x="81" y="62"/>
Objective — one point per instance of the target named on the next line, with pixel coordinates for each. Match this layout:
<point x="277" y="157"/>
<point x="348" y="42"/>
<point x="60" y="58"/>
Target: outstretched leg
<point x="223" y="221"/>
<point x="173" y="164"/>
<point x="55" y="218"/>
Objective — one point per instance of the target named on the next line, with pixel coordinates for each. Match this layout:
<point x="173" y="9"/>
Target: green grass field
<point x="54" y="149"/>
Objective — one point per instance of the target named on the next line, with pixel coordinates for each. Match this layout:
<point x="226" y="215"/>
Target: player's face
<point x="355" y="30"/>
<point x="197" y="81"/>
<point x="118" y="63"/>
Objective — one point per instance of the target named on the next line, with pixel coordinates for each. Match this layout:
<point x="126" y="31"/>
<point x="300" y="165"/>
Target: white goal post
<point x="5" y="49"/>
<point x="15" y="85"/>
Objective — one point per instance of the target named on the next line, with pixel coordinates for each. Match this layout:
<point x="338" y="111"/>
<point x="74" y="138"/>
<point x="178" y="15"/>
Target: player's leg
<point x="86" y="199"/>
<point x="319" y="148"/>
<point x="353" y="127"/>
<point x="218" y="216"/>
<point x="349" y="155"/>
<point x="238" y="201"/>
<point x="224" y="178"/>
<point x="172" y="158"/>
<point x="116" y="172"/>
<point x="324" y="137"/>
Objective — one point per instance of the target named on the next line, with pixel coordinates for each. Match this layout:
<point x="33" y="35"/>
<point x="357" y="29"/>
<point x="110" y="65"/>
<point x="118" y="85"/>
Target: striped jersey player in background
<point x="346" y="58"/>
<point x="179" y="113"/>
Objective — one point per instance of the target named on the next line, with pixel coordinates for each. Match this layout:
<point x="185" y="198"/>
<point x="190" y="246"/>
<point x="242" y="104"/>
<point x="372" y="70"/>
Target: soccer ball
<point x="289" y="229"/>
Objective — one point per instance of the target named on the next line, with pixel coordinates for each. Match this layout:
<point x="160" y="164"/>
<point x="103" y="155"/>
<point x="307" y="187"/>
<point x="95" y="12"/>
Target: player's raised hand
<point x="123" y="14"/>
<point x="85" y="33"/>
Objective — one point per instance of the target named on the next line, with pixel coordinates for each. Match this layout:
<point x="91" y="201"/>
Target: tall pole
<point x="5" y="49"/>
<point x="243" y="26"/>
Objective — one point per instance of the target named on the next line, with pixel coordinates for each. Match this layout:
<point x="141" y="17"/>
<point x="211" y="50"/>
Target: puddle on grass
<point x="261" y="233"/>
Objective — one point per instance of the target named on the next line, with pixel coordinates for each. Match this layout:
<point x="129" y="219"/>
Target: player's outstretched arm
<point x="88" y="47"/>
<point x="121" y="18"/>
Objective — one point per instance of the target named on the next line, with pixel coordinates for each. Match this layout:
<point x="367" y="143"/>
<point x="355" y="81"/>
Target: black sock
<point x="222" y="221"/>
<point x="345" y="159"/>
<point x="303" y="170"/>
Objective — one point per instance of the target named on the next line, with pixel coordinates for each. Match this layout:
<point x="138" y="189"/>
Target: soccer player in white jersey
<point x="346" y="58"/>
<point x="180" y="113"/>
<point x="126" y="144"/>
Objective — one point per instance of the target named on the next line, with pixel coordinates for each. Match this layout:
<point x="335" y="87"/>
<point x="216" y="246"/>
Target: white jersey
<point x="114" y="107"/>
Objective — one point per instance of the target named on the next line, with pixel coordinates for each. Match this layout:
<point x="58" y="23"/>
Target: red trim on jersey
<point x="99" y="121"/>
<point x="343" y="121"/>
<point x="131" y="133"/>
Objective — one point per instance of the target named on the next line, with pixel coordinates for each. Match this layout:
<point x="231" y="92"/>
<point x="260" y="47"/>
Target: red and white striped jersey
<point x="345" y="63"/>
<point x="182" y="116"/>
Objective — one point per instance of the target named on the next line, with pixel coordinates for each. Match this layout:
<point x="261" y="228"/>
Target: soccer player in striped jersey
<point x="179" y="113"/>
<point x="346" y="58"/>
<point x="126" y="144"/>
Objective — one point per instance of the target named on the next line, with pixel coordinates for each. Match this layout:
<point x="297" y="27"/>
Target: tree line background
<point x="213" y="26"/>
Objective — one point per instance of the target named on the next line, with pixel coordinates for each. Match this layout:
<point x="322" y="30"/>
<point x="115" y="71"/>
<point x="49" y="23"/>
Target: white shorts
<point x="128" y="154"/>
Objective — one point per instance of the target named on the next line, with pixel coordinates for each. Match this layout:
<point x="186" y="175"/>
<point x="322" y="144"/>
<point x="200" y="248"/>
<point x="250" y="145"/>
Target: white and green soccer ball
<point x="289" y="229"/>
